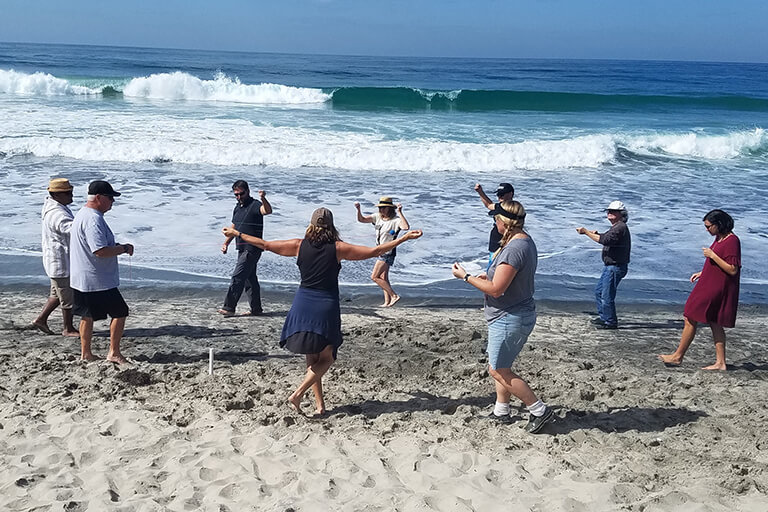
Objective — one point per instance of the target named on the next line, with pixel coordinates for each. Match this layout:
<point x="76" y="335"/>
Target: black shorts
<point x="99" y="305"/>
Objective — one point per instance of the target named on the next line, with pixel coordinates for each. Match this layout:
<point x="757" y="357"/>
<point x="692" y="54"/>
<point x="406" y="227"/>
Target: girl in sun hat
<point x="388" y="225"/>
<point x="313" y="325"/>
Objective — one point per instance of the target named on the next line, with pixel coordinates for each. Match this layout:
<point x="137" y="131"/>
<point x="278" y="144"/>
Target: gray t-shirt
<point x="521" y="253"/>
<point x="88" y="272"/>
<point x="386" y="230"/>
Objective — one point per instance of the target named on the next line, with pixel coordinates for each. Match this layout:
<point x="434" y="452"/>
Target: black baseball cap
<point x="504" y="188"/>
<point x="102" y="188"/>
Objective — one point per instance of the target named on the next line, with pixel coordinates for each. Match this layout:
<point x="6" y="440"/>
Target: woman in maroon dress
<point x="715" y="297"/>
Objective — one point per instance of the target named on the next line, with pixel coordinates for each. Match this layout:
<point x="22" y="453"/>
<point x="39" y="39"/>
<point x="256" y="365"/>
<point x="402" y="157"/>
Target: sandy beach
<point x="406" y="428"/>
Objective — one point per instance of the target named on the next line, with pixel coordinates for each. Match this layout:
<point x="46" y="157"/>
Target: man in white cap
<point x="56" y="223"/>
<point x="95" y="275"/>
<point x="617" y="244"/>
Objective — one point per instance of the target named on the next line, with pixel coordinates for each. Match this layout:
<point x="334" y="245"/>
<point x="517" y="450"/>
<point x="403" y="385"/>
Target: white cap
<point x="616" y="205"/>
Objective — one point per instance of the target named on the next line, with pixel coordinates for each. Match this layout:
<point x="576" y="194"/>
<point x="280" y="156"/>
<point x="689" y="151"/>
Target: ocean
<point x="173" y="129"/>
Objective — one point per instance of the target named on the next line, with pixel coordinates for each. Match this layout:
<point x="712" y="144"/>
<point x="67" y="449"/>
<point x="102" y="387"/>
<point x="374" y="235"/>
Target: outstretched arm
<point x="594" y="235"/>
<point x="403" y="221"/>
<point x="483" y="196"/>
<point x="345" y="251"/>
<point x="365" y="219"/>
<point x="281" y="247"/>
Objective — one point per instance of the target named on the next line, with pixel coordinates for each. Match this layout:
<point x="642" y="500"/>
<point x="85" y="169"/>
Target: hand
<point x="581" y="231"/>
<point x="413" y="234"/>
<point x="357" y="205"/>
<point x="695" y="277"/>
<point x="458" y="271"/>
<point x="262" y="194"/>
<point x="708" y="253"/>
<point x="230" y="232"/>
<point x="478" y="187"/>
<point x="399" y="207"/>
<point x="128" y="249"/>
<point x="483" y="276"/>
<point x="224" y="248"/>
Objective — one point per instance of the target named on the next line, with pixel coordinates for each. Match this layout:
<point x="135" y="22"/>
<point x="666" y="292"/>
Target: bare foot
<point x="89" y="357"/>
<point x="117" y="359"/>
<point x="394" y="300"/>
<point x="670" y="359"/>
<point x="716" y="366"/>
<point x="319" y="414"/>
<point x="42" y="327"/>
<point x="224" y="312"/>
<point x="295" y="403"/>
<point x="71" y="334"/>
<point x="384" y="305"/>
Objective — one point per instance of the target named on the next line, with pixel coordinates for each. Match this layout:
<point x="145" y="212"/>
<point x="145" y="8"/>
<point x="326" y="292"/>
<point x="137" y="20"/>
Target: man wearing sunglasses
<point x="248" y="218"/>
<point x="94" y="272"/>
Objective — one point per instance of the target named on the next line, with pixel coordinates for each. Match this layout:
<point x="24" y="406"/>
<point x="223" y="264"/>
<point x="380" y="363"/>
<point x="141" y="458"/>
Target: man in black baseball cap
<point x="102" y="188"/>
<point x="94" y="274"/>
<point x="504" y="192"/>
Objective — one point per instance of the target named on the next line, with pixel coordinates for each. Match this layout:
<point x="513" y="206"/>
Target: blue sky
<point x="614" y="29"/>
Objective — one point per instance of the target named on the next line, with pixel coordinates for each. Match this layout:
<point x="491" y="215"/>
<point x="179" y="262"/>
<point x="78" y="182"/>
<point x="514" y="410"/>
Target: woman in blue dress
<point x="313" y="325"/>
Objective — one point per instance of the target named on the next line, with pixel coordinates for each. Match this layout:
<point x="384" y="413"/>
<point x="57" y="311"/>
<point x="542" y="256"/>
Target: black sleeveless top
<point x="318" y="266"/>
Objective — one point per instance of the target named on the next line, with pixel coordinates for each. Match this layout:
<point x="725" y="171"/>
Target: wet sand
<point x="405" y="429"/>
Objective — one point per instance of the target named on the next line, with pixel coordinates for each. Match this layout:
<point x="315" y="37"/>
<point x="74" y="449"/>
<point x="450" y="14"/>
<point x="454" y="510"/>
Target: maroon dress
<point x="715" y="297"/>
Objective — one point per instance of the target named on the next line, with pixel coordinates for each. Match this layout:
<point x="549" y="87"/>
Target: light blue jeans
<point x="605" y="292"/>
<point x="507" y="336"/>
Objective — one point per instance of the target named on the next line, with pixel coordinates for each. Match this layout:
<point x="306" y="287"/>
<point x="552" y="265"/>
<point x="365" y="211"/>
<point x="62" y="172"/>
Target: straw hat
<point x="385" y="201"/>
<point x="59" y="185"/>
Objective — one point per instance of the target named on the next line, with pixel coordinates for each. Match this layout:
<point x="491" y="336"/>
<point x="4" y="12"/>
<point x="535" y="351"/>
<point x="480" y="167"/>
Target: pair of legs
<point x="317" y="365"/>
<point x="244" y="278"/>
<point x="689" y="332"/>
<point x="41" y="322"/>
<point x="380" y="276"/>
<point x="605" y="292"/>
<point x="116" y="328"/>
<point x="508" y="383"/>
<point x="61" y="295"/>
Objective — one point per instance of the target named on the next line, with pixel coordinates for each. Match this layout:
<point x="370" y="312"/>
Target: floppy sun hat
<point x="616" y="206"/>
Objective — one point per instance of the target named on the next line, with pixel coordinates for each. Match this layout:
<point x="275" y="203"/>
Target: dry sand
<point x="406" y="429"/>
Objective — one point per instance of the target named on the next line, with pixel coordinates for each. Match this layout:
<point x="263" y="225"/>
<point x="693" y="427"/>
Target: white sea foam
<point x="183" y="86"/>
<point x="701" y="146"/>
<point x="40" y="84"/>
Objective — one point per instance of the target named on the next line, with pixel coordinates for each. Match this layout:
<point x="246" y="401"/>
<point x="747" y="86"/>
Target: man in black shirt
<point x="617" y="244"/>
<point x="504" y="192"/>
<point x="248" y="218"/>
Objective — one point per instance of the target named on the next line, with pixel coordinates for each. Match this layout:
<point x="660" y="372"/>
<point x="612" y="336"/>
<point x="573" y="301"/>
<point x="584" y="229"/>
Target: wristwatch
<point x="466" y="277"/>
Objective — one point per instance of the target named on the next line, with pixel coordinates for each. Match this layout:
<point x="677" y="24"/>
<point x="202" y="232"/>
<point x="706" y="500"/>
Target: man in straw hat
<point x="617" y="244"/>
<point x="95" y="275"/>
<point x="56" y="225"/>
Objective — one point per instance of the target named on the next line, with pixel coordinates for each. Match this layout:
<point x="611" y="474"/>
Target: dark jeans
<point x="244" y="277"/>
<point x="605" y="292"/>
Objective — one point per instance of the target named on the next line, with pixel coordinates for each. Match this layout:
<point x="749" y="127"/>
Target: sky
<point x="709" y="30"/>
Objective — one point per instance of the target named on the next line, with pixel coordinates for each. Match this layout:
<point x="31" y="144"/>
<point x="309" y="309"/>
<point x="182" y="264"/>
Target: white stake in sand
<point x="210" y="361"/>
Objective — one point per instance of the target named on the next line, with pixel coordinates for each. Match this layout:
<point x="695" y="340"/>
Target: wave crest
<point x="40" y="84"/>
<point x="183" y="86"/>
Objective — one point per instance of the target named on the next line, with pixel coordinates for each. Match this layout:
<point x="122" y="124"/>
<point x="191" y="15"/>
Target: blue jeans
<point x="605" y="292"/>
<point x="506" y="337"/>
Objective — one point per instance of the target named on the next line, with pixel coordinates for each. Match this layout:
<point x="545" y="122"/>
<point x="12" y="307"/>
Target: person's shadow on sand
<point x="421" y="401"/>
<point x="641" y="419"/>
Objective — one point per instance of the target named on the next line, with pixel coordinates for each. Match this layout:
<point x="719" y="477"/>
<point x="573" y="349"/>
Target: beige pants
<point x="61" y="290"/>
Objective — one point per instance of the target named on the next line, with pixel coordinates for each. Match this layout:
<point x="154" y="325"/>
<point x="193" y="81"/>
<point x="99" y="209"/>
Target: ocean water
<point x="173" y="129"/>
